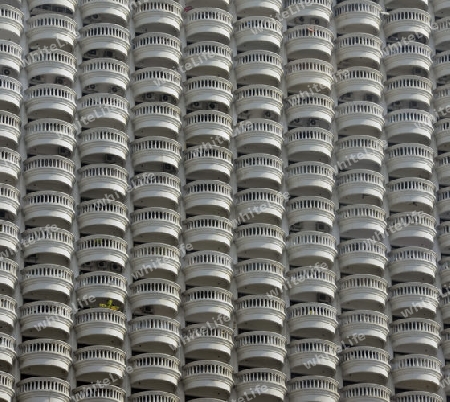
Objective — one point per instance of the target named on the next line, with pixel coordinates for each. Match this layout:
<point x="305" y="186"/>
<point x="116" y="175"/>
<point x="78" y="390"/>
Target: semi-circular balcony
<point x="307" y="388"/>
<point x="445" y="307"/>
<point x="154" y="333"/>
<point x="8" y="276"/>
<point x="155" y="296"/>
<point x="315" y="9"/>
<point x="309" y="144"/>
<point x="208" y="196"/>
<point x="443" y="203"/>
<point x="258" y="33"/>
<point x="58" y="101"/>
<point x="11" y="94"/>
<point x="441" y="34"/>
<point x="11" y="21"/>
<point x="158" y="16"/>
<point x="202" y="304"/>
<point x="201" y="342"/>
<point x="310" y="178"/>
<point x="50" y="242"/>
<point x="256" y="7"/>
<point x="360" y="49"/>
<point x="360" y="186"/>
<point x="46" y="281"/>
<point x="259" y="240"/>
<point x="310" y="247"/>
<point x="261" y="349"/>
<point x="373" y="325"/>
<point x="415" y="335"/>
<point x="441" y="97"/>
<point x="207" y="268"/>
<point x="100" y="326"/>
<point x="155" y="224"/>
<point x="102" y="248"/>
<point x="211" y="90"/>
<point x="366" y="292"/>
<point x="49" y="173"/>
<point x="156" y="118"/>
<point x="95" y="11"/>
<point x="359" y="81"/>
<point x="309" y="284"/>
<point x="45" y="357"/>
<point x="259" y="171"/>
<point x="258" y="66"/>
<point x="422" y="4"/>
<point x="208" y="163"/>
<point x="414" y="264"/>
<point x="109" y="393"/>
<point x="10" y="128"/>
<point x="412" y="229"/>
<point x="208" y="378"/>
<point x="414" y="300"/>
<point x="8" y="314"/>
<point x="409" y="88"/>
<point x="154" y="371"/>
<point x="154" y="396"/>
<point x="202" y="125"/>
<point x="259" y="276"/>
<point x="306" y="213"/>
<point x="7" y="386"/>
<point x="442" y="168"/>
<point x="411" y="160"/>
<point x="303" y="109"/>
<point x="68" y="7"/>
<point x="407" y="58"/>
<point x="417" y="372"/>
<point x="96" y="362"/>
<point x="263" y="101"/>
<point x="104" y="39"/>
<point x="40" y="389"/>
<point x="303" y="74"/>
<point x="312" y="320"/>
<point x="8" y="351"/>
<point x="442" y="67"/>
<point x="156" y="49"/>
<point x="259" y="206"/>
<point x="150" y="153"/>
<point x="402" y="22"/>
<point x="354" y="117"/>
<point x="444" y="271"/>
<point x="155" y="260"/>
<point x="441" y="7"/>
<point x="9" y="237"/>
<point x="208" y="23"/>
<point x="313" y="356"/>
<point x="156" y="190"/>
<point x="364" y="364"/>
<point x="49" y="29"/>
<point x="208" y="232"/>
<point x="309" y="41"/>
<point x="248" y="380"/>
<point x="97" y="180"/>
<point x="260" y="313"/>
<point x="103" y="286"/>
<point x="11" y="57"/>
<point x="154" y="83"/>
<point x="45" y="319"/>
<point x="208" y="58"/>
<point x="9" y="200"/>
<point x="361" y="220"/>
<point x="409" y="125"/>
<point x="358" y="16"/>
<point x="259" y="136"/>
<point x="445" y="342"/>
<point x="409" y="194"/>
<point x="366" y="391"/>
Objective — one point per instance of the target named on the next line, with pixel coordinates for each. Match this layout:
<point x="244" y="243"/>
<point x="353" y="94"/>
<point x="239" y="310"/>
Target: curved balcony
<point x="156" y="118"/>
<point x="154" y="371"/>
<point x="360" y="49"/>
<point x="7" y="386"/>
<point x="105" y="392"/>
<point x="413" y="264"/>
<point x="248" y="380"/>
<point x="259" y="136"/>
<point x="95" y="11"/>
<point x="445" y="342"/>
<point x="11" y="21"/>
<point x="208" y="163"/>
<point x="312" y="320"/>
<point x="8" y="351"/>
<point x="104" y="39"/>
<point x="307" y="213"/>
<point x="414" y="300"/>
<point x="208" y="196"/>
<point x="155" y="296"/>
<point x="307" y="388"/>
<point x="366" y="391"/>
<point x="444" y="271"/>
<point x="402" y="22"/>
<point x="315" y="9"/>
<point x="10" y="128"/>
<point x="49" y="29"/>
<point x="422" y="4"/>
<point x="202" y="304"/>
<point x="155" y="224"/>
<point x="268" y="205"/>
<point x="356" y="82"/>
<point x="259" y="240"/>
<point x="149" y="153"/>
<point x="309" y="41"/>
<point x="45" y="357"/>
<point x="208" y="23"/>
<point x="9" y="200"/>
<point x="259" y="171"/>
<point x="417" y="372"/>
<point x="8" y="314"/>
<point x="409" y="88"/>
<point x="68" y="7"/>
<point x="364" y="364"/>
<point x="203" y="125"/>
<point x="45" y="319"/>
<point x="443" y="172"/>
<point x="156" y="190"/>
<point x="412" y="229"/>
<point x="411" y="160"/>
<point x="40" y="389"/>
<point x="415" y="335"/>
<point x="8" y="276"/>
<point x="442" y="67"/>
<point x="443" y="197"/>
<point x="259" y="275"/>
<point x="314" y="144"/>
<point x="158" y="16"/>
<point x="445" y="307"/>
<point x="360" y="186"/>
<point x="361" y="220"/>
<point x="208" y="58"/>
<point x="207" y="268"/>
<point x="354" y="117"/>
<point x="407" y="58"/>
<point x="215" y="91"/>
<point x="93" y="363"/>
<point x="258" y="33"/>
<point x="208" y="378"/>
<point x="97" y="326"/>
<point x="156" y="49"/>
<point x="371" y="325"/>
<point x="46" y="281"/>
<point x="441" y="33"/>
<point x="309" y="284"/>
<point x="155" y="260"/>
<point x="366" y="292"/>
<point x="154" y="333"/>
<point x="310" y="247"/>
<point x="260" y="101"/>
<point x="261" y="349"/>
<point x="258" y="66"/>
<point x="11" y="94"/>
<point x="441" y="133"/>
<point x="102" y="248"/>
<point x="9" y="237"/>
<point x="409" y="194"/>
<point x="302" y="109"/>
<point x="358" y="16"/>
<point x="98" y="180"/>
<point x="304" y="74"/>
<point x="409" y="125"/>
<point x="440" y="7"/>
<point x="11" y="58"/>
<point x="201" y="342"/>
<point x="154" y="396"/>
<point x="313" y="356"/>
<point x="260" y="313"/>
<point x="154" y="83"/>
<point x="255" y="7"/>
<point x="310" y="178"/>
<point x="208" y="232"/>
<point x="103" y="286"/>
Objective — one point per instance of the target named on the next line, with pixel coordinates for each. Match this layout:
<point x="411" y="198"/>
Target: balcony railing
<point x="411" y="160"/>
<point x="10" y="129"/>
<point x="306" y="284"/>
<point x="415" y="335"/>
<point x="11" y="20"/>
<point x="7" y="386"/>
<point x="310" y="247"/>
<point x="9" y="199"/>
<point x="366" y="391"/>
<point x="441" y="33"/>
<point x="305" y="351"/>
<point x="102" y="285"/>
<point x="412" y="229"/>
<point x="354" y="117"/>
<point x="8" y="312"/>
<point x="148" y="153"/>
<point x="403" y="21"/>
<point x="102" y="248"/>
<point x="358" y="48"/>
<point x="424" y="295"/>
<point x="260" y="313"/>
<point x="259" y="170"/>
<point x="366" y="292"/>
<point x="257" y="66"/>
<point x="107" y="392"/>
<point x="258" y="33"/>
<point x="409" y="125"/>
<point x="304" y="73"/>
<point x="413" y="264"/>
<point x="359" y="80"/>
<point x="310" y="178"/>
<point x="402" y="59"/>
<point x="303" y="108"/>
<point x="306" y="388"/>
<point x="156" y="47"/>
<point x="98" y="180"/>
<point x="259" y="136"/>
<point x="156" y="118"/>
<point x="211" y="89"/>
<point x="259" y="240"/>
<point x="247" y="379"/>
<point x="259" y="275"/>
<point x="358" y="16"/>
<point x="312" y="320"/>
<point x="48" y="241"/>
<point x="51" y="28"/>
<point x="309" y="41"/>
<point x="208" y="24"/>
<point x="8" y="275"/>
<point x="112" y="11"/>
<point x="156" y="190"/>
<point x="263" y="101"/>
<point x="41" y="388"/>
<point x="9" y="237"/>
<point x="315" y="144"/>
<point x="372" y="324"/>
<point x="160" y="16"/>
<point x="11" y="92"/>
<point x="360" y="186"/>
<point x="213" y="162"/>
<point x="201" y="304"/>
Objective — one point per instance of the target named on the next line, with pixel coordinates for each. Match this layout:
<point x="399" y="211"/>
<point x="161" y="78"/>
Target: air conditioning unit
<point x="296" y="121"/>
<point x="63" y="151"/>
<point x="33" y="259"/>
<point x="169" y="168"/>
<point x="320" y="227"/>
<point x="60" y="80"/>
<point x="418" y="71"/>
<point x="413" y="104"/>
<point x="110" y="158"/>
<point x="347" y="96"/>
<point x="165" y="98"/>
<point x="95" y="17"/>
<point x="114" y="90"/>
<point x="116" y="267"/>
<point x="147" y="310"/>
<point x="3" y="214"/>
<point x="6" y="71"/>
<point x="92" y="87"/>
<point x="196" y="106"/>
<point x="149" y="96"/>
<point x="296" y="228"/>
<point x="312" y="122"/>
<point x="212" y="106"/>
<point x="92" y="52"/>
<point x="369" y="98"/>
<point x="102" y="264"/>
<point x="299" y="20"/>
<point x="392" y="39"/>
<point x="324" y="299"/>
<point x="37" y="79"/>
<point x="315" y="21"/>
<point x="108" y="53"/>
<point x="268" y="114"/>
